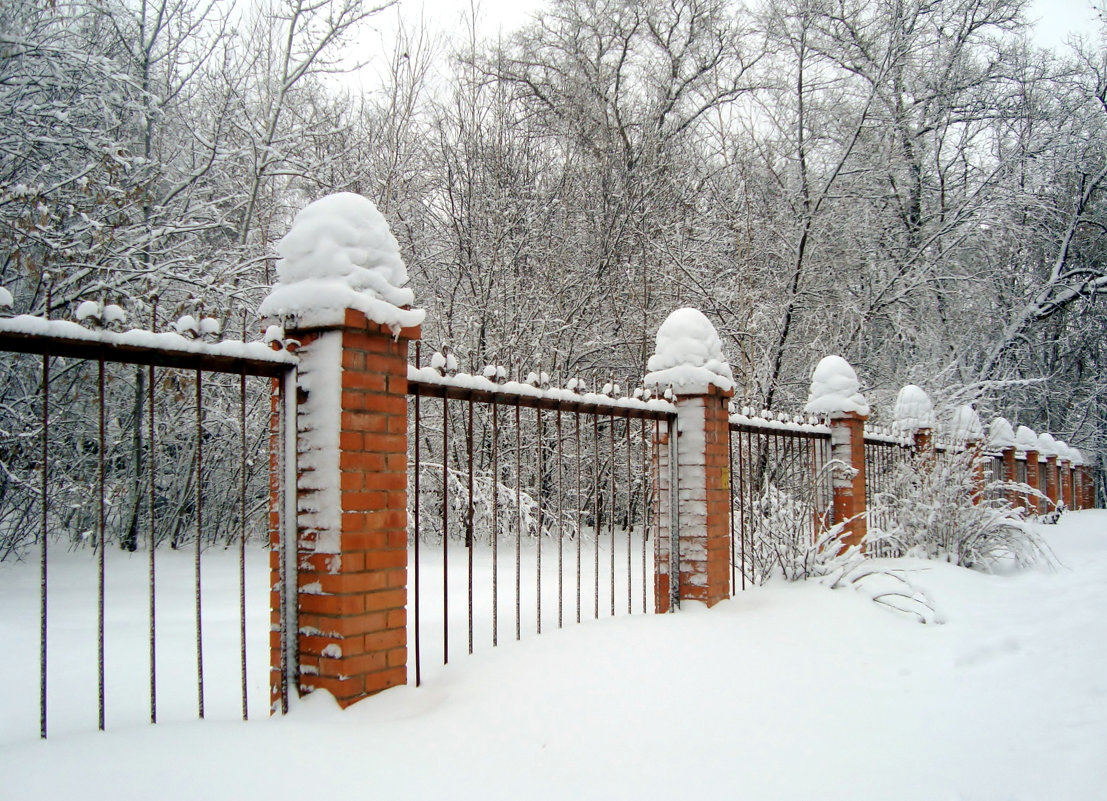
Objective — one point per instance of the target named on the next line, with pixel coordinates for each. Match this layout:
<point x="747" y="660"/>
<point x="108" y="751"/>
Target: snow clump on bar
<point x="339" y="254"/>
<point x="835" y="389"/>
<point x="689" y="356"/>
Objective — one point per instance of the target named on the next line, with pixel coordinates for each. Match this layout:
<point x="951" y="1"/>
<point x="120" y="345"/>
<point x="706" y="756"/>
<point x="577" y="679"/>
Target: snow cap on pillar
<point x="835" y="390"/>
<point x="1047" y="445"/>
<point x="689" y="356"/>
<point x="1064" y="452"/>
<point x="340" y="254"/>
<point x="913" y="409"/>
<point x="965" y="424"/>
<point x="1026" y="439"/>
<point x="1000" y="434"/>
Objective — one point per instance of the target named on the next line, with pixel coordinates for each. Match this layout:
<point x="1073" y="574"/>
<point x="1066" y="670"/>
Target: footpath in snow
<point x="789" y="691"/>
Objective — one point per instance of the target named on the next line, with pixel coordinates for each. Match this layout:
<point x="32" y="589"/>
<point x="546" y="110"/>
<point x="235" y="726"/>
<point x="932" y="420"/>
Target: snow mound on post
<point x="1047" y="445"/>
<point x="689" y="355"/>
<point x="835" y="389"/>
<point x="1064" y="452"/>
<point x="1000" y="434"/>
<point x="966" y="424"/>
<point x="1026" y="439"/>
<point x="913" y="409"/>
<point x="340" y="254"/>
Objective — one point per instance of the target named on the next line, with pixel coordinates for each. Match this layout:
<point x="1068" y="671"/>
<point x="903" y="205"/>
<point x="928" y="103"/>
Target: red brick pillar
<point x="924" y="447"/>
<point x="1064" y="467"/>
<point x="1034" y="505"/>
<point x="352" y="507"/>
<point x="847" y="449"/>
<point x="703" y="494"/>
<point x="1052" y="491"/>
<point x="1009" y="474"/>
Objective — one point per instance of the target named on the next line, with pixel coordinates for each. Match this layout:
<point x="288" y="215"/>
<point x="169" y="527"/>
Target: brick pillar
<point x="975" y="449"/>
<point x="1034" y="481"/>
<point x="1064" y="469"/>
<point x="1009" y="474"/>
<point x="847" y="447"/>
<point x="1052" y="491"/>
<point x="924" y="446"/>
<point x="352" y="507"/>
<point x="703" y="492"/>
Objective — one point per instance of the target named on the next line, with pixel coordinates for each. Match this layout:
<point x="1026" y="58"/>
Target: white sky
<point x="1055" y="21"/>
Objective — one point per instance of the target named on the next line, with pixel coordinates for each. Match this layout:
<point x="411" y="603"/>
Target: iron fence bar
<point x="560" y="522"/>
<point x="469" y="518"/>
<point x="242" y="536"/>
<point x="518" y="522"/>
<point x="629" y="524"/>
<point x="611" y="512"/>
<point x="730" y="492"/>
<point x="538" y="533"/>
<point x="674" y="517"/>
<point x="418" y="531"/>
<point x="445" y="531"/>
<point x="101" y="532"/>
<point x="596" y="514"/>
<point x="45" y="529"/>
<point x="495" y="523"/>
<point x="199" y="538"/>
<point x="152" y="565"/>
<point x="580" y="518"/>
<point x="647" y="502"/>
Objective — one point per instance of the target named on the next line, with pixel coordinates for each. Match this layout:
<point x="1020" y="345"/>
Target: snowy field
<point x="790" y="691"/>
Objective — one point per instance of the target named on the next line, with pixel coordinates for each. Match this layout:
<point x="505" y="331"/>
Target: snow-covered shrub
<point x="934" y="510"/>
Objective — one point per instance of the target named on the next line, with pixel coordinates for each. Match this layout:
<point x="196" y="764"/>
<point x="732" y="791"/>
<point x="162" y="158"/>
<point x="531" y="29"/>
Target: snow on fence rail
<point x="173" y="455"/>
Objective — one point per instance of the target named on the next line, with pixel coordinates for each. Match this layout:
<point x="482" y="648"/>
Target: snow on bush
<point x="913" y="409"/>
<point x="689" y="355"/>
<point x="835" y="389"/>
<point x="928" y="511"/>
<point x="1000" y="435"/>
<point x="340" y="254"/>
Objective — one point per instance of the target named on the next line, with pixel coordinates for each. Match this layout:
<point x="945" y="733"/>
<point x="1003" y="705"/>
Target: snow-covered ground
<point x="788" y="691"/>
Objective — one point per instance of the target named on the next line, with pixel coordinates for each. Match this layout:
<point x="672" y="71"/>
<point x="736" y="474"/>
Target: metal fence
<point x="165" y="448"/>
<point x="547" y="491"/>
<point x="780" y="495"/>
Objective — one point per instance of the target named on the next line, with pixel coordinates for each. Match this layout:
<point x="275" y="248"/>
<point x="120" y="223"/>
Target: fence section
<point x="781" y="494"/>
<point x="135" y="413"/>
<point x="547" y="491"/>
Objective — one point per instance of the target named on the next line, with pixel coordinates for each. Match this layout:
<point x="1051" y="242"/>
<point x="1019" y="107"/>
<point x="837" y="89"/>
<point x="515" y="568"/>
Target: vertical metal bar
<point x="730" y="515"/>
<point x="469" y="517"/>
<point x="445" y="531"/>
<point x="199" y="538"/>
<point x="42" y="579"/>
<point x="242" y="535"/>
<point x="101" y="532"/>
<point x="674" y="515"/>
<point x="741" y="511"/>
<point x="655" y="475"/>
<point x="538" y="501"/>
<point x="596" y="516"/>
<point x="629" y="521"/>
<point x="152" y="547"/>
<point x="560" y="519"/>
<point x="518" y="522"/>
<point x="290" y="643"/>
<point x="611" y="510"/>
<point x="418" y="524"/>
<point x="495" y="523"/>
<point x="580" y="511"/>
<point x="646" y="503"/>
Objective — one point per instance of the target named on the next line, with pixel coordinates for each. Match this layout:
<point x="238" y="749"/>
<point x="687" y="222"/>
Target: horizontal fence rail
<point x="553" y="490"/>
<point x="147" y="441"/>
